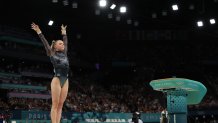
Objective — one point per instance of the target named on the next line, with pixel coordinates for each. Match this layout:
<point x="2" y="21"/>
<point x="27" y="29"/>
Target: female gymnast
<point x="59" y="84"/>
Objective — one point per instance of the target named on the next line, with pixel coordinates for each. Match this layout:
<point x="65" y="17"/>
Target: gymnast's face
<point x="59" y="45"/>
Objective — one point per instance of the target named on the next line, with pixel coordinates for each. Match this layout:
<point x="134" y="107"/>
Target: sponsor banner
<point x="91" y="117"/>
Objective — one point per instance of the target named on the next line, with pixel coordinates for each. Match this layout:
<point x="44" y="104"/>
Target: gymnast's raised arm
<point x="65" y="40"/>
<point x="36" y="28"/>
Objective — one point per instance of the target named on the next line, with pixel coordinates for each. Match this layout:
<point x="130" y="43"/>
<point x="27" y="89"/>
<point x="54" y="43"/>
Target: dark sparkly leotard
<point x="58" y="59"/>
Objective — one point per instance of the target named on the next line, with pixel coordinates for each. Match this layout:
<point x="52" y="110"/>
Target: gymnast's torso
<point x="59" y="59"/>
<point x="60" y="63"/>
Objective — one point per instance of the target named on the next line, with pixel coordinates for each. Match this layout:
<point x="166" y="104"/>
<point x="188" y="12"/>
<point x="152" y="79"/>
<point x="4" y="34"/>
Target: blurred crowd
<point x="84" y="98"/>
<point x="115" y="98"/>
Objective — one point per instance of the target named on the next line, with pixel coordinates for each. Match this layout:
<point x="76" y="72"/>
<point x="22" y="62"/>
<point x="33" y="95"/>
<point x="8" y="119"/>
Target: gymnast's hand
<point x="36" y="28"/>
<point x="63" y="29"/>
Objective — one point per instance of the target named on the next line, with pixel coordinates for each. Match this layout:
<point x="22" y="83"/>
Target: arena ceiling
<point x="149" y="14"/>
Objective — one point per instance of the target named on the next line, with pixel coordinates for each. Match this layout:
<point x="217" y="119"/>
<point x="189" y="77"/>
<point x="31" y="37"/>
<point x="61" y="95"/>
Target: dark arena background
<point x="116" y="49"/>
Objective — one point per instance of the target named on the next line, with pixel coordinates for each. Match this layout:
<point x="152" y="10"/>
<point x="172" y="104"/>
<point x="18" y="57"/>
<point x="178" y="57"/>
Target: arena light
<point x="122" y="9"/>
<point x="191" y="7"/>
<point x="110" y="16"/>
<point x="113" y="6"/>
<point x="129" y="21"/>
<point x="175" y="7"/>
<point x="65" y="2"/>
<point x="164" y="13"/>
<point x="154" y="15"/>
<point x="102" y="3"/>
<point x="97" y="12"/>
<point x="74" y="5"/>
<point x="212" y="21"/>
<point x="200" y="23"/>
<point x="54" y="1"/>
<point x="136" y="23"/>
<point x="118" y="18"/>
<point x="50" y="23"/>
